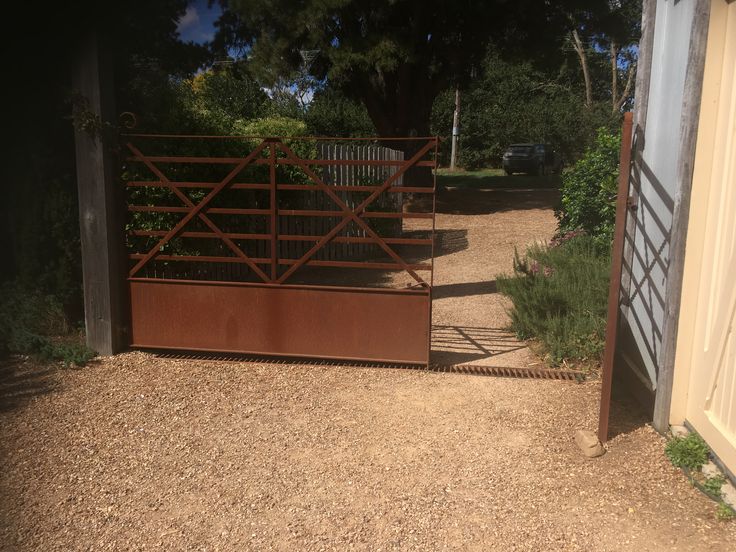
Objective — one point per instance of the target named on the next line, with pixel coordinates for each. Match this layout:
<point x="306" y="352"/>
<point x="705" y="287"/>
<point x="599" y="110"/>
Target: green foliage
<point x="212" y="102"/>
<point x="724" y="512"/>
<point x="512" y="102"/>
<point x="559" y="297"/>
<point x="689" y="452"/>
<point x="332" y="114"/>
<point x="275" y="126"/>
<point x="31" y="323"/>
<point x="712" y="485"/>
<point x="394" y="57"/>
<point x="589" y="190"/>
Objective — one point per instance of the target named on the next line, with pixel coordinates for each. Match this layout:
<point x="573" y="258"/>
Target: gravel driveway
<point x="141" y="452"/>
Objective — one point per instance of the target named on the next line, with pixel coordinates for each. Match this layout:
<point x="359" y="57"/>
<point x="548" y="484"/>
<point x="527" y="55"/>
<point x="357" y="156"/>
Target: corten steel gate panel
<point x="290" y="247"/>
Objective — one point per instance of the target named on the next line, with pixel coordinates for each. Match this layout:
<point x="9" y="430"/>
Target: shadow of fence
<point x="21" y="382"/>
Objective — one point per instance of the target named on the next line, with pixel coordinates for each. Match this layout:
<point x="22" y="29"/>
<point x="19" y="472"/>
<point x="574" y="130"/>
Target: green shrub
<point x="275" y="126"/>
<point x="589" y="190"/>
<point x="559" y="295"/>
<point x="713" y="485"/>
<point x="34" y="324"/>
<point x="724" y="512"/>
<point x="689" y="452"/>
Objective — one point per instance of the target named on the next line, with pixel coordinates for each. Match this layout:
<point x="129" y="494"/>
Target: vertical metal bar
<point x="274" y="213"/>
<point x="434" y="225"/>
<point x="614" y="289"/>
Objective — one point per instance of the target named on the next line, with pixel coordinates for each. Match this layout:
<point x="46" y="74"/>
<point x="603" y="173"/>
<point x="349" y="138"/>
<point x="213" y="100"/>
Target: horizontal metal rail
<point x="295" y="187"/>
<point x="160" y="184"/>
<point x="367" y="214"/>
<point x="281" y="212"/>
<point x="279" y="161"/>
<point x="278" y="139"/>
<point x="210" y="210"/>
<point x="284" y="237"/>
<point x="415" y="290"/>
<point x="287" y="262"/>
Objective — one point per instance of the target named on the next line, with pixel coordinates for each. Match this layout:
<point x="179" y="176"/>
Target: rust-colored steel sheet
<point x="614" y="291"/>
<point x="382" y="325"/>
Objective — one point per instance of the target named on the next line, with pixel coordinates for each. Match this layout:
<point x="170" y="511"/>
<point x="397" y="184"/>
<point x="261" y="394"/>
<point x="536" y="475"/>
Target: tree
<point x="395" y="57"/>
<point x="512" y="102"/>
<point x="608" y="32"/>
<point x="330" y="113"/>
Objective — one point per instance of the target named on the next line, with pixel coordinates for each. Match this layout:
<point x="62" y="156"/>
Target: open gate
<point x="300" y="247"/>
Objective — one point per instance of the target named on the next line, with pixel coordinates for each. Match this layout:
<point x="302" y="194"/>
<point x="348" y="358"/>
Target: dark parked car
<point x="538" y="159"/>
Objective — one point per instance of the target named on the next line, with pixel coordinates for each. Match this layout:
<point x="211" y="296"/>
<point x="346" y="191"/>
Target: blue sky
<point x="198" y="23"/>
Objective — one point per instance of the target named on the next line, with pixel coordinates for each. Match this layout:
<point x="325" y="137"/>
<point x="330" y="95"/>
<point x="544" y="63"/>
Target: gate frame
<point x="399" y="344"/>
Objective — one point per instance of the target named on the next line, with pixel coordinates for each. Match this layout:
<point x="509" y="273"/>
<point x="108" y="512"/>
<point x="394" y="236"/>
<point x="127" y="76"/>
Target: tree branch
<point x="614" y="75"/>
<point x="627" y="87"/>
<point x="580" y="49"/>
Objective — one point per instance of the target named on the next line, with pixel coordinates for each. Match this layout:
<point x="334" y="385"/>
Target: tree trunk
<point x="400" y="106"/>
<point x="580" y="49"/>
<point x="618" y="101"/>
<point x="614" y="74"/>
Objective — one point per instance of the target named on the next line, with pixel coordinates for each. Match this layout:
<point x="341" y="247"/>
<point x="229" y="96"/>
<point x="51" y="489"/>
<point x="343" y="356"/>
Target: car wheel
<point x="508" y="172"/>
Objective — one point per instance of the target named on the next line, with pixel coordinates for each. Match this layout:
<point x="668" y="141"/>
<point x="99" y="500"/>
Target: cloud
<point x="189" y="19"/>
<point x="197" y="24"/>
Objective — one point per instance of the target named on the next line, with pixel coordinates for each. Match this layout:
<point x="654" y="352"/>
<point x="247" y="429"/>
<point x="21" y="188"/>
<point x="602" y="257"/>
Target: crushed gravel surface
<point x="140" y="452"/>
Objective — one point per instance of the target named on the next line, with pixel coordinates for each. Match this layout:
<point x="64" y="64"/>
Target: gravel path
<point x="138" y="452"/>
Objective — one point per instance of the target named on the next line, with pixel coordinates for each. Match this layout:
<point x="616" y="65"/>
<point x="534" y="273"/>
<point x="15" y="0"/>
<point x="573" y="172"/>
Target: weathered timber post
<point x="99" y="202"/>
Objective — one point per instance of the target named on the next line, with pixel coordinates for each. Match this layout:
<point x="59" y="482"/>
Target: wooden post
<point x="681" y="212"/>
<point x="99" y="204"/>
<point x="455" y="129"/>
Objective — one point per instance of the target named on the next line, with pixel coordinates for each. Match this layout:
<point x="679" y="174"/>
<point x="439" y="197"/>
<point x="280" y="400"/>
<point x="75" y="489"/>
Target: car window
<point x="538" y="149"/>
<point x="520" y="149"/>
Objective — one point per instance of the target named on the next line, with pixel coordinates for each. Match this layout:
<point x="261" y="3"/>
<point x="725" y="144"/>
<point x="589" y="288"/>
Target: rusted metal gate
<point x="252" y="245"/>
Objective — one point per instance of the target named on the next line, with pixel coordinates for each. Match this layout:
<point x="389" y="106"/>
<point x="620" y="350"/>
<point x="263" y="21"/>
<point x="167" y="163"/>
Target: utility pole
<point x="455" y="129"/>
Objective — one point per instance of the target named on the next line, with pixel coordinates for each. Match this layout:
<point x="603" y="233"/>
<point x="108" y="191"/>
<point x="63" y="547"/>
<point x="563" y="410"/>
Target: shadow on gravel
<point x="627" y="414"/>
<point x="458" y="344"/>
<point x="20" y="382"/>
<point x="466" y="289"/>
<point x="484" y="181"/>
<point x="474" y="201"/>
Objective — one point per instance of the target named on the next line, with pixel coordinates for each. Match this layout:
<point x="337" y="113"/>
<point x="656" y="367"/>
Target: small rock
<point x="728" y="493"/>
<point x="679" y="431"/>
<point x="710" y="470"/>
<point x="587" y="441"/>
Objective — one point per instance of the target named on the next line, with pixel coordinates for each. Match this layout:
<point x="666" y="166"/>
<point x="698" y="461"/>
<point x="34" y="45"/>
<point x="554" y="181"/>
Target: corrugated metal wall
<point x="646" y="257"/>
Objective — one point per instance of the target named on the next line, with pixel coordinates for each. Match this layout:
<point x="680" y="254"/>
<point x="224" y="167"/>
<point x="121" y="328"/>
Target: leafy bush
<point x="34" y="324"/>
<point x="559" y="295"/>
<point x="276" y="126"/>
<point x="589" y="190"/>
<point x="285" y="127"/>
<point x="689" y="452"/>
<point x="724" y="512"/>
<point x="332" y="114"/>
<point x="713" y="485"/>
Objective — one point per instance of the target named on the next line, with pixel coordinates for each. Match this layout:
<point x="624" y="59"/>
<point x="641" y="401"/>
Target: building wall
<point x="704" y="385"/>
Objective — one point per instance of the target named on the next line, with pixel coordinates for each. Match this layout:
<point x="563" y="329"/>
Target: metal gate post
<point x="274" y="212"/>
